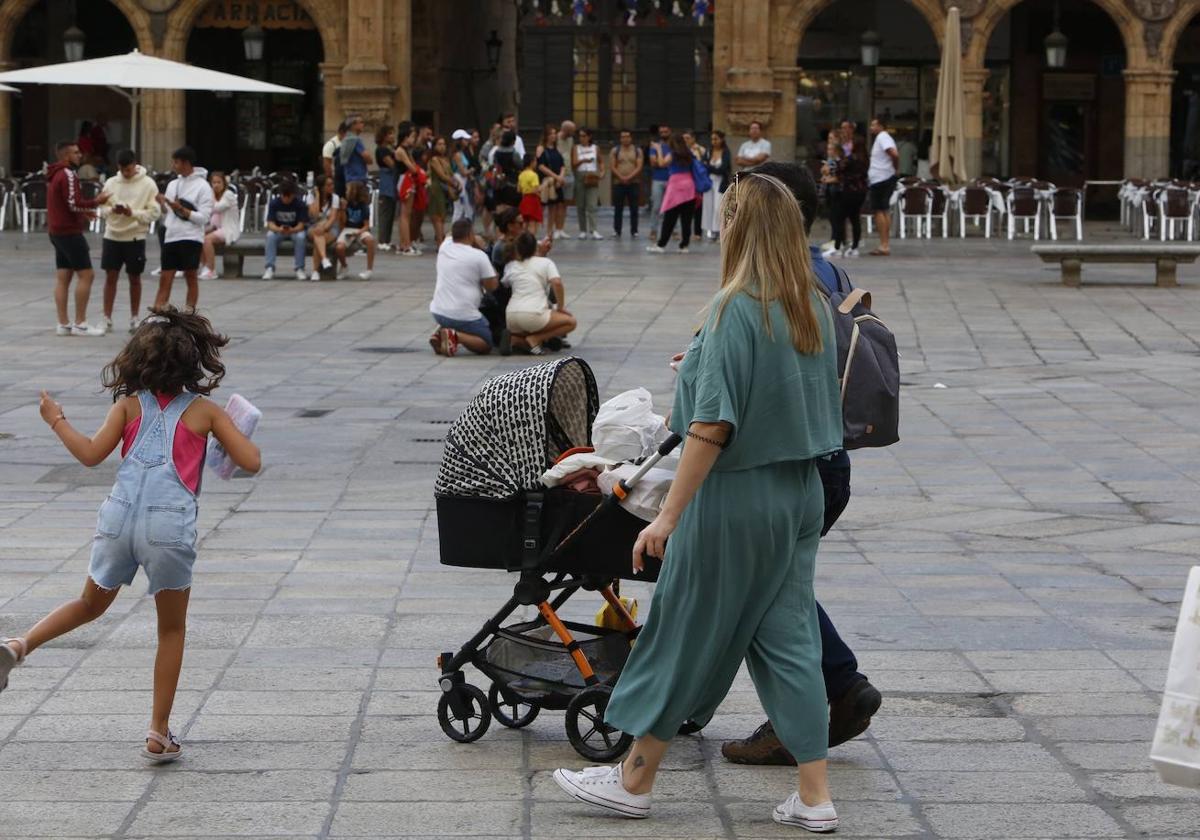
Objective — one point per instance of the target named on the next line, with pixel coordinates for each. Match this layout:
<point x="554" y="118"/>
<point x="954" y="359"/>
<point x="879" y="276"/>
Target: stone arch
<point x="1173" y="31"/>
<point x="324" y="13"/>
<point x="984" y="24"/>
<point x="790" y="19"/>
<point x="12" y="12"/>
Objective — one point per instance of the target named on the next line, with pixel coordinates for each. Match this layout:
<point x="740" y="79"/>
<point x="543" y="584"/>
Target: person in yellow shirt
<point x="529" y="184"/>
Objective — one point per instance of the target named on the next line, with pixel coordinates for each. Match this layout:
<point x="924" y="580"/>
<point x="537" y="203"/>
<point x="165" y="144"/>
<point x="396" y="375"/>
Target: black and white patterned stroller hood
<point x="516" y="427"/>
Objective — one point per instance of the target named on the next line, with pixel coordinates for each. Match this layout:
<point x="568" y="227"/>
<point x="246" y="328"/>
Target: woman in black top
<point x="852" y="177"/>
<point x="552" y="165"/>
<point x="718" y="163"/>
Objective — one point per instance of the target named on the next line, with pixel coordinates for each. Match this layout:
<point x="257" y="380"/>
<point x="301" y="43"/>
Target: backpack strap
<point x="845" y="287"/>
<point x="854" y="299"/>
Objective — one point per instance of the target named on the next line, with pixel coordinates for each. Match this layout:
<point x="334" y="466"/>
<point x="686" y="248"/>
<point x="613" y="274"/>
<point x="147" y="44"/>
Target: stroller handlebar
<point x="664" y="449"/>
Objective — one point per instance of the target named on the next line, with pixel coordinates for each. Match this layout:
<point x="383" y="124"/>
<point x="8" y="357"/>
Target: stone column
<point x="1148" y="122"/>
<point x="974" y="81"/>
<point x="163" y="127"/>
<point x="6" y="150"/>
<point x="365" y="87"/>
<point x="750" y="89"/>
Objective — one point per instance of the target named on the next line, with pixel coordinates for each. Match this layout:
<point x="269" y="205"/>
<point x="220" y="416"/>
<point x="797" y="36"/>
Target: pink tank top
<point x="187" y="453"/>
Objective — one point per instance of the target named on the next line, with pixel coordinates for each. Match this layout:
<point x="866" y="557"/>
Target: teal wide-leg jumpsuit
<point x="737" y="579"/>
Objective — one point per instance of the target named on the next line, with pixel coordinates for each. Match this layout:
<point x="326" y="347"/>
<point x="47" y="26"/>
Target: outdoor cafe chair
<point x="1175" y="208"/>
<point x="1024" y="205"/>
<point x="1066" y="203"/>
<point x="975" y="204"/>
<point x="33" y="203"/>
<point x="915" y="204"/>
<point x="939" y="209"/>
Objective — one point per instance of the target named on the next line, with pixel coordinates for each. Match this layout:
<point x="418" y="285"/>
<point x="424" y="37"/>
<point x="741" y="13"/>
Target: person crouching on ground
<point x="356" y="229"/>
<point x="757" y="398"/>
<point x="531" y="320"/>
<point x="127" y="216"/>
<point x="148" y="520"/>
<point x="464" y="273"/>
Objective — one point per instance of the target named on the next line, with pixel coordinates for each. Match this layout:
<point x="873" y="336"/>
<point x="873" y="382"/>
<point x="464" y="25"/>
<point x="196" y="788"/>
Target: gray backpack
<point x="868" y="368"/>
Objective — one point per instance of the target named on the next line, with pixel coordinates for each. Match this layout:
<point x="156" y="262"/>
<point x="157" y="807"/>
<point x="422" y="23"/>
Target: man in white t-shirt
<point x="881" y="182"/>
<point x="464" y="273"/>
<point x="754" y="151"/>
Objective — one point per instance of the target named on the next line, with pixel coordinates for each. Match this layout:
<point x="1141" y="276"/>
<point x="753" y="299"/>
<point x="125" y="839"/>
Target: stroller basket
<point x="529" y="658"/>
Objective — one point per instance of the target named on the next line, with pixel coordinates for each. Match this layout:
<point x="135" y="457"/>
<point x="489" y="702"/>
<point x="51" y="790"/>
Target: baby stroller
<point x="494" y="513"/>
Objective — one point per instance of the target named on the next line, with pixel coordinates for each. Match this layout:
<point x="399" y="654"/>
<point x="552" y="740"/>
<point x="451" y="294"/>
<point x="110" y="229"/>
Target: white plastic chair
<point x="33" y="203"/>
<point x="1175" y="208"/>
<point x="1066" y="203"/>
<point x="1025" y="206"/>
<point x="915" y="203"/>
<point x="975" y="205"/>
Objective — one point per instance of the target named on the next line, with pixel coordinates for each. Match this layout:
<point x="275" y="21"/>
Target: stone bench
<point x="1165" y="257"/>
<point x="233" y="256"/>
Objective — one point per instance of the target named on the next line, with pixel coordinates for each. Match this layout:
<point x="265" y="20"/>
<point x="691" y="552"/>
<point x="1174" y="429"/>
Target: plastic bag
<point x="245" y="416"/>
<point x="626" y="427"/>
<point x="1176" y="750"/>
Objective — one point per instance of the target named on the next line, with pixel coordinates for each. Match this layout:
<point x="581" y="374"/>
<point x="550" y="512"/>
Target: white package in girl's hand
<point x="245" y="416"/>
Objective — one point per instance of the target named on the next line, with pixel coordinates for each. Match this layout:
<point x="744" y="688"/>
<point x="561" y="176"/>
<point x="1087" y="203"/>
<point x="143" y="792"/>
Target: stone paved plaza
<point x="1009" y="574"/>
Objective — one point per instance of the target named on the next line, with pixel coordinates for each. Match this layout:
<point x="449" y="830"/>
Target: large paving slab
<point x="1009" y="574"/>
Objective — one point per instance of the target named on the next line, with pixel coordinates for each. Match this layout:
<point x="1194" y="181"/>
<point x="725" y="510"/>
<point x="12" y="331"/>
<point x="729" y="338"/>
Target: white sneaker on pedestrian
<point x="385" y="247"/>
<point x="364" y="275"/>
<point x="301" y="274"/>
<point x="327" y="264"/>
<point x="63" y="329"/>
<point x="582" y="235"/>
<point x="851" y="252"/>
<point x="654" y="249"/>
<point x="315" y="277"/>
<point x="106" y="324"/>
<point x="134" y="323"/>
<point x="207" y="273"/>
<point x="343" y="272"/>
<point x="410" y="251"/>
<point x="684" y="250"/>
<point x="597" y="235"/>
<point x="818" y="818"/>
<point x="269" y="274"/>
<point x="828" y="252"/>
<point x="84" y="328"/>
<point x="604" y="788"/>
<point x="156" y="271"/>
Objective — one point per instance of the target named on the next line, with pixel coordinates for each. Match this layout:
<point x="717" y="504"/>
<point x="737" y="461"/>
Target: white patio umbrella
<point x="947" y="155"/>
<point x="133" y="73"/>
<point x="7" y="89"/>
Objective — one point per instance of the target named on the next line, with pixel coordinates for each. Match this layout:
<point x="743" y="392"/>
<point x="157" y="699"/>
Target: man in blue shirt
<point x="287" y="218"/>
<point x="660" y="162"/>
<point x="852" y="698"/>
<point x="353" y="154"/>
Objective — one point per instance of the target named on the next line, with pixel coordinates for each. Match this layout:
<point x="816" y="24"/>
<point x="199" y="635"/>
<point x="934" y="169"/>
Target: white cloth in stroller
<point x="645" y="500"/>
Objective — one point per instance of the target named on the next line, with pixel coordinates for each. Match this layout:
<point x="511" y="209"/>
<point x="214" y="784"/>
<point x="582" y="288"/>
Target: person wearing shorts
<point x="357" y="230"/>
<point x="881" y="177"/>
<point x="187" y="206"/>
<point x="531" y="319"/>
<point x="127" y="219"/>
<point x="464" y="273"/>
<point x="67" y="215"/>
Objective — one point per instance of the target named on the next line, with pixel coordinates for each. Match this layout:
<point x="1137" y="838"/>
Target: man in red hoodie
<point x="67" y="214"/>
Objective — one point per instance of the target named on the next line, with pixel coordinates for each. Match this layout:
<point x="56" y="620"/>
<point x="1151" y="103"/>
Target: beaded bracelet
<point x="708" y="440"/>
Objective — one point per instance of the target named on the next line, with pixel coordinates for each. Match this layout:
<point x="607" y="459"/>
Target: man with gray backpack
<point x="867" y="364"/>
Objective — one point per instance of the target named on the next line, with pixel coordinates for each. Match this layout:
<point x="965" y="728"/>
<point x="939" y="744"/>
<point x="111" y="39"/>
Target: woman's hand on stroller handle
<point x="652" y="541"/>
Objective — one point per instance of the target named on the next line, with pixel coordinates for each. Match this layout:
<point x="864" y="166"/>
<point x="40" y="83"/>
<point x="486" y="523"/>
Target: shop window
<point x="586" y="80"/>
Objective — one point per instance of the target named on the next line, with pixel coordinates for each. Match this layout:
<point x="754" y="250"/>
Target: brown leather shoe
<point x="763" y="748"/>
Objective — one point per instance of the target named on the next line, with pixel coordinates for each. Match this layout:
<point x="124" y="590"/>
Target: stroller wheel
<point x="591" y="737"/>
<point x="511" y="710"/>
<point x="464" y="714"/>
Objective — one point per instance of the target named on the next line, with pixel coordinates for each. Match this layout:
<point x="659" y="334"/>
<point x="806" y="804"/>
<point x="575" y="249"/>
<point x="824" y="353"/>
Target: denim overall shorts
<point x="149" y="518"/>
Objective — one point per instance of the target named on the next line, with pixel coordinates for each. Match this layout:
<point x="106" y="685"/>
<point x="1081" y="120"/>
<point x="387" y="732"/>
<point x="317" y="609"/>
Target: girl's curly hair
<point x="171" y="352"/>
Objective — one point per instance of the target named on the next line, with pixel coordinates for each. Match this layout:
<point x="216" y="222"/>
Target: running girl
<point x="149" y="518"/>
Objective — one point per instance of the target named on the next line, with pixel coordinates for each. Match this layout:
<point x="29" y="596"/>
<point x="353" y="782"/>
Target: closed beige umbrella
<point x="947" y="157"/>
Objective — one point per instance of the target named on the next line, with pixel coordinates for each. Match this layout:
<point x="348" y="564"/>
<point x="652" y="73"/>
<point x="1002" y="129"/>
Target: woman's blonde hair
<point x="764" y="253"/>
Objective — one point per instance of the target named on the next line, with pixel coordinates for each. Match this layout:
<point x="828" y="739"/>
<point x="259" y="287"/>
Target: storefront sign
<point x="1070" y="87"/>
<point x="269" y="14"/>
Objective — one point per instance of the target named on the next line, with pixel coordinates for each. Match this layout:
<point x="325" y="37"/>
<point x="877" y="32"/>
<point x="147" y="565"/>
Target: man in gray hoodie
<point x="187" y="206"/>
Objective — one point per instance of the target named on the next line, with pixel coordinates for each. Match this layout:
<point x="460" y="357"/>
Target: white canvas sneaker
<point x="63" y="329"/>
<point x="84" y="328"/>
<point x="134" y="323"/>
<point x="817" y="818"/>
<point x="604" y="788"/>
<point x="106" y="323"/>
<point x="654" y="249"/>
<point x="269" y="274"/>
<point x="301" y="274"/>
<point x="364" y="275"/>
<point x="597" y="235"/>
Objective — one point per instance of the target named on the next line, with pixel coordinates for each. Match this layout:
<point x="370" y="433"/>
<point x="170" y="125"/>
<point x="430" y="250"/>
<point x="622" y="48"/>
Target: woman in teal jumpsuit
<point x="757" y="398"/>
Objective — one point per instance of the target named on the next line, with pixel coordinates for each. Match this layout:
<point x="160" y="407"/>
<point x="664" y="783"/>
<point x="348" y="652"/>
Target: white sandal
<point x="167" y="755"/>
<point x="10" y="659"/>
